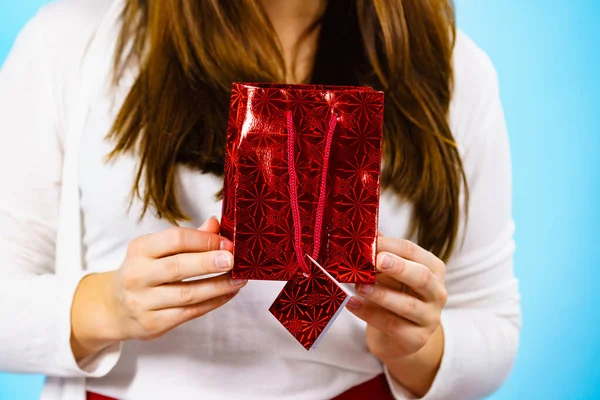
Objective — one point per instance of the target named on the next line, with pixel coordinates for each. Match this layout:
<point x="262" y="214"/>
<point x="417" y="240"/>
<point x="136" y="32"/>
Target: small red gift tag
<point x="309" y="304"/>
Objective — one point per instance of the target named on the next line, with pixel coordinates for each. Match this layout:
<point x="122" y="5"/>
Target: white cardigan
<point x="68" y="259"/>
<point x="69" y="70"/>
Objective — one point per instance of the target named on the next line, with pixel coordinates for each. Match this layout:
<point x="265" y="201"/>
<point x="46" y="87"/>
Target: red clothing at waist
<point x="376" y="388"/>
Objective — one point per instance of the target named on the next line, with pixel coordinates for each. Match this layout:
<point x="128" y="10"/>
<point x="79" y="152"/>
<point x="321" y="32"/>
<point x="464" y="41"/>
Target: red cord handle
<point x="293" y="182"/>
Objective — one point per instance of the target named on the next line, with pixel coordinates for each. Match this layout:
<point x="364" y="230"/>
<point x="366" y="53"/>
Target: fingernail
<point x="223" y="261"/>
<point x="238" y="282"/>
<point x="225" y="244"/>
<point x="365" y="288"/>
<point x="354" y="303"/>
<point x="386" y="262"/>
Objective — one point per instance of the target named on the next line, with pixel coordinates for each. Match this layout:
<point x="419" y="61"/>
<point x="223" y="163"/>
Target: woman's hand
<point x="403" y="312"/>
<point x="147" y="296"/>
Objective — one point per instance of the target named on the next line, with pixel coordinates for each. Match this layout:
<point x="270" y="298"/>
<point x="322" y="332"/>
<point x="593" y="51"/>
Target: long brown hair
<point x="190" y="52"/>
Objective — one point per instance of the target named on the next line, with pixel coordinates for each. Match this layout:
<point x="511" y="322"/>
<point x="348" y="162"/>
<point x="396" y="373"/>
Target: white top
<point x="239" y="350"/>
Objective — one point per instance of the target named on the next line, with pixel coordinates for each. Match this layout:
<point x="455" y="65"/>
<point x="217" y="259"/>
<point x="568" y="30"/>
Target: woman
<point x="113" y="118"/>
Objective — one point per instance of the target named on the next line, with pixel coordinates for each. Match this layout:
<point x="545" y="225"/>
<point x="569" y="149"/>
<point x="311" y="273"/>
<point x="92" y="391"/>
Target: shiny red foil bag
<point x="302" y="169"/>
<point x="257" y="203"/>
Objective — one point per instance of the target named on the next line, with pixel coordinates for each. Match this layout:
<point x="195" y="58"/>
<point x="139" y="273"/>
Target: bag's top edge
<point x="304" y="86"/>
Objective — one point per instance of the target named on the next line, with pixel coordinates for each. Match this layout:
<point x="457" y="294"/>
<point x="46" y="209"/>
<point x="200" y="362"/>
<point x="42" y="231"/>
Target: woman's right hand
<point x="147" y="296"/>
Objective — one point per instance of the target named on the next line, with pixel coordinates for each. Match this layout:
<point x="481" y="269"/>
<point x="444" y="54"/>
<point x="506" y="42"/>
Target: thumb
<point x="211" y="225"/>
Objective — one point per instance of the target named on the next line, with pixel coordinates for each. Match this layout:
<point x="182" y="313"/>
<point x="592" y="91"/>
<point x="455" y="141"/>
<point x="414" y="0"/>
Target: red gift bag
<point x="302" y="170"/>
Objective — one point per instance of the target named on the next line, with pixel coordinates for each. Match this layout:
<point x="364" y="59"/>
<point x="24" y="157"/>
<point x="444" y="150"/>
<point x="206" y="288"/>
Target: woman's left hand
<point x="403" y="308"/>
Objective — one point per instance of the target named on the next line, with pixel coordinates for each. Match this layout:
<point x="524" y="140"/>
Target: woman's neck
<point x="291" y="19"/>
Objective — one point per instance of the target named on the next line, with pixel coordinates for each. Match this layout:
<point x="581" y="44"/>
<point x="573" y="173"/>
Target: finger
<point x="401" y="304"/>
<point x="411" y="251"/>
<point x="416" y="276"/>
<point x="182" y="266"/>
<point x="172" y="317"/>
<point x="394" y="284"/>
<point x="407" y="335"/>
<point x="211" y="225"/>
<point x="176" y="240"/>
<point x="189" y="293"/>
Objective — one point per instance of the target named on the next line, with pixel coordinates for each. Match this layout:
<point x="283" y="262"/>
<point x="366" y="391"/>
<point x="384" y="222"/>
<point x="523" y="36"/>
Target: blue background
<point x="547" y="53"/>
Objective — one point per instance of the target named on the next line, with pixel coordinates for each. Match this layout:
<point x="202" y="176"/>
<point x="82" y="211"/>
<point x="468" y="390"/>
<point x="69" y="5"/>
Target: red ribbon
<point x="293" y="181"/>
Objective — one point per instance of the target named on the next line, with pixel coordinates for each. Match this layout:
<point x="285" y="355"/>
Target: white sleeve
<point x="482" y="319"/>
<point x="35" y="304"/>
